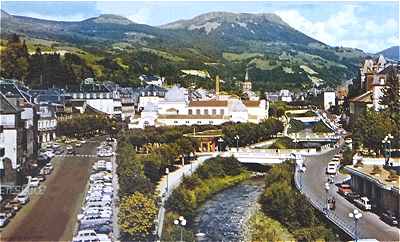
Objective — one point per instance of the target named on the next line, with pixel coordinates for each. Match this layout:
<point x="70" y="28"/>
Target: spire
<point x="246" y="77"/>
<point x="217" y="85"/>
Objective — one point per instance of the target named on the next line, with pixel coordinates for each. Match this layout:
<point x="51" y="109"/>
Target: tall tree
<point x="14" y="60"/>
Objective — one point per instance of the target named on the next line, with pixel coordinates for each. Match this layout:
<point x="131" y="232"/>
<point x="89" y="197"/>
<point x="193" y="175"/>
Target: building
<point x="150" y="94"/>
<point x="329" y="99"/>
<point x="152" y="80"/>
<point x="12" y="147"/>
<point x="47" y="123"/>
<point x="373" y="75"/>
<point x="379" y="184"/>
<point x="176" y="109"/>
<point x="19" y="96"/>
<point x="98" y="96"/>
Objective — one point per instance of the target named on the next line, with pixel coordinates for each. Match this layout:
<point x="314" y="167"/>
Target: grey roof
<point x="10" y="88"/>
<point x="175" y="94"/>
<point x="6" y="107"/>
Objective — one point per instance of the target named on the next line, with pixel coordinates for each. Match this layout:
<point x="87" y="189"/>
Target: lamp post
<point x="327" y="187"/>
<point x="356" y="215"/>
<point x="167" y="172"/>
<point x="302" y="171"/>
<point x="180" y="221"/>
<point x="220" y="140"/>
<point x="237" y="142"/>
<point x="387" y="148"/>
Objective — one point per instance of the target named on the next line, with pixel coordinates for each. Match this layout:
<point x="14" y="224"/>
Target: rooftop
<point x="209" y="103"/>
<point x="363" y="98"/>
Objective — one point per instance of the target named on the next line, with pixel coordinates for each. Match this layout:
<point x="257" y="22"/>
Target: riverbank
<point x="214" y="176"/>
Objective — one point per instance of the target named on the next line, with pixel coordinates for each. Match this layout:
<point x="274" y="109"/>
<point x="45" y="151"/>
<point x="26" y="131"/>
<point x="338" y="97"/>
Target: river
<point x="224" y="216"/>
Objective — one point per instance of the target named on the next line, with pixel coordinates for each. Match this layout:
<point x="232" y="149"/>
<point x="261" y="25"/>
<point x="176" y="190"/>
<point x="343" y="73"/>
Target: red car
<point x="344" y="189"/>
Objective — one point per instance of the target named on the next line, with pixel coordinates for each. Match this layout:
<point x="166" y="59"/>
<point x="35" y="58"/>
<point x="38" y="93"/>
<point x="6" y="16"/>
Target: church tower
<point x="246" y="84"/>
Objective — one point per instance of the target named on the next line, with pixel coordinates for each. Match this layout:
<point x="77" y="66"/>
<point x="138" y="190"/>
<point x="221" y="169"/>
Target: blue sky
<point x="371" y="26"/>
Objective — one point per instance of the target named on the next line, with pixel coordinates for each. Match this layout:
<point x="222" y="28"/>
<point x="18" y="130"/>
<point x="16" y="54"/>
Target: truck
<point x="363" y="203"/>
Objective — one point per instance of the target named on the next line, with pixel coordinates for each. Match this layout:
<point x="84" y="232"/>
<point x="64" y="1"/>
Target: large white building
<point x="176" y="109"/>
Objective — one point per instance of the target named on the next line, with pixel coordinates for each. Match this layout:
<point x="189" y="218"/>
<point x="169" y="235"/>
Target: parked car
<point x="34" y="182"/>
<point x="14" y="205"/>
<point x="389" y="218"/>
<point x="93" y="220"/>
<point x="59" y="152"/>
<point x="332" y="168"/>
<point x="41" y="177"/>
<point x="4" y="219"/>
<point x="23" y="198"/>
<point x="49" y="166"/>
<point x="351" y="196"/>
<point x="344" y="189"/>
<point x="363" y="203"/>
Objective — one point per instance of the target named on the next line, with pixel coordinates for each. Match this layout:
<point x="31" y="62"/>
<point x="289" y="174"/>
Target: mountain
<point x="392" y="53"/>
<point x="275" y="54"/>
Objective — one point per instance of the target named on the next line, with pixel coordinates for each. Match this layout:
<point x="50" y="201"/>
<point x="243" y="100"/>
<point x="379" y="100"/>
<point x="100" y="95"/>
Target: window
<point x="198" y="111"/>
<point x="175" y="122"/>
<point x="190" y="111"/>
<point x="205" y="111"/>
<point x="214" y="111"/>
<point x="222" y="112"/>
<point x="199" y="122"/>
<point x="187" y="122"/>
<point x="211" y="122"/>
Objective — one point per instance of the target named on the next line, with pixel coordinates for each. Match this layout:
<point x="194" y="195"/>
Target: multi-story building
<point x="47" y="123"/>
<point x="12" y="148"/>
<point x="98" y="96"/>
<point x="150" y="94"/>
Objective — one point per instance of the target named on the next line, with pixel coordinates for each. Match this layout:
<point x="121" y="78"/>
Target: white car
<point x="49" y="154"/>
<point x="34" y="182"/>
<point x="90" y="235"/>
<point x="3" y="219"/>
<point x="332" y="168"/>
<point x="23" y="198"/>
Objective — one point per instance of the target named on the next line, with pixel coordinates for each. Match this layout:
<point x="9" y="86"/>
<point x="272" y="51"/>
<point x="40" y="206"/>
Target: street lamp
<point x="167" y="172"/>
<point x="302" y="171"/>
<point x="220" y="140"/>
<point x="180" y="221"/>
<point x="387" y="146"/>
<point x="237" y="142"/>
<point x="356" y="215"/>
<point x="327" y="187"/>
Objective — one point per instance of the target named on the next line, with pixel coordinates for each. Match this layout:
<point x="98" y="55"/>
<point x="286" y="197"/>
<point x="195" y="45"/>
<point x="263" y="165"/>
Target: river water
<point x="224" y="216"/>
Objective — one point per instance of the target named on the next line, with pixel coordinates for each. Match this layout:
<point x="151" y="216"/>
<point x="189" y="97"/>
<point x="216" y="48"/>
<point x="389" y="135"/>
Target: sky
<point x="370" y="26"/>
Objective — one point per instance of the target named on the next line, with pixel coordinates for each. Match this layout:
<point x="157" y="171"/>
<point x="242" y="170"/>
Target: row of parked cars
<point x="96" y="216"/>
<point x="11" y="208"/>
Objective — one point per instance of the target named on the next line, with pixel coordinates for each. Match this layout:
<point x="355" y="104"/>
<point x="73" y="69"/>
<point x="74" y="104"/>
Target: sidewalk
<point x="174" y="179"/>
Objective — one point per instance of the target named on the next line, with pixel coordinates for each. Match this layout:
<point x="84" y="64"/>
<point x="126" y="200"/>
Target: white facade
<point x="175" y="109"/>
<point x="8" y="138"/>
<point x="103" y="105"/>
<point x="329" y="100"/>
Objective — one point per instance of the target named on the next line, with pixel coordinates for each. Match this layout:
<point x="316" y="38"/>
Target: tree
<point x="391" y="97"/>
<point x="14" y="60"/>
<point x="136" y="215"/>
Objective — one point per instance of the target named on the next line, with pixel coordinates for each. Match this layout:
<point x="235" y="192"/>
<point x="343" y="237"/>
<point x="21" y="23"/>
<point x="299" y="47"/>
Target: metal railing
<point x="349" y="229"/>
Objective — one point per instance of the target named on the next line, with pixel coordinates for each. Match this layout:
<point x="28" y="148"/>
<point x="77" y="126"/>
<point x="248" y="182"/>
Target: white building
<point x="152" y="80"/>
<point x="11" y="143"/>
<point x="329" y="99"/>
<point x="176" y="109"/>
<point x="150" y="94"/>
<point x="47" y="123"/>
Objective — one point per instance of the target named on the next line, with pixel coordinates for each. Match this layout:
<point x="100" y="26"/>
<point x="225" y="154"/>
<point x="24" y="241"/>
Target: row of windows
<point x="91" y="95"/>
<point x="206" y="111"/>
<point x="198" y="122"/>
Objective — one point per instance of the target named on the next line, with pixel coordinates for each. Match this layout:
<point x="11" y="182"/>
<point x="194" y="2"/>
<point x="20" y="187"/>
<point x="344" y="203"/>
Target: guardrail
<point x="345" y="227"/>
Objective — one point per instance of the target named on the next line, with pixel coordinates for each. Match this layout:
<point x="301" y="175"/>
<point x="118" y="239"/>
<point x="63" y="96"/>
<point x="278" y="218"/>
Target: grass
<point x="264" y="64"/>
<point x="164" y="54"/>
<point x="264" y="228"/>
<point x="240" y="57"/>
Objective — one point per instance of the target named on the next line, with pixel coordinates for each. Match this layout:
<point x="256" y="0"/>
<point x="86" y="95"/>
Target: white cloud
<point x="345" y="28"/>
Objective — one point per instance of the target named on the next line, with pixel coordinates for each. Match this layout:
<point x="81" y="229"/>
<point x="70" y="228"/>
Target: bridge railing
<point x="321" y="206"/>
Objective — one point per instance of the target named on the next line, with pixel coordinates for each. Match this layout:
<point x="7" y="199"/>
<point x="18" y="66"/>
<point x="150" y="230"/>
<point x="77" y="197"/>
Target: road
<point x="370" y="226"/>
<point x="51" y="215"/>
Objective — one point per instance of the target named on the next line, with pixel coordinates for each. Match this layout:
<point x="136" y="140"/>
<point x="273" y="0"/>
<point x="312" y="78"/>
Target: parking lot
<point x="52" y="215"/>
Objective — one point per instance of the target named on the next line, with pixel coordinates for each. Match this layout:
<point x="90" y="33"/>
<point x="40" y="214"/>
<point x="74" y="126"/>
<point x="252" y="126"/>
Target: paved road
<point x="370" y="226"/>
<point x="51" y="216"/>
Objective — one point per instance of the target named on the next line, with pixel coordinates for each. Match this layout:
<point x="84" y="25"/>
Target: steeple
<point x="246" y="77"/>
